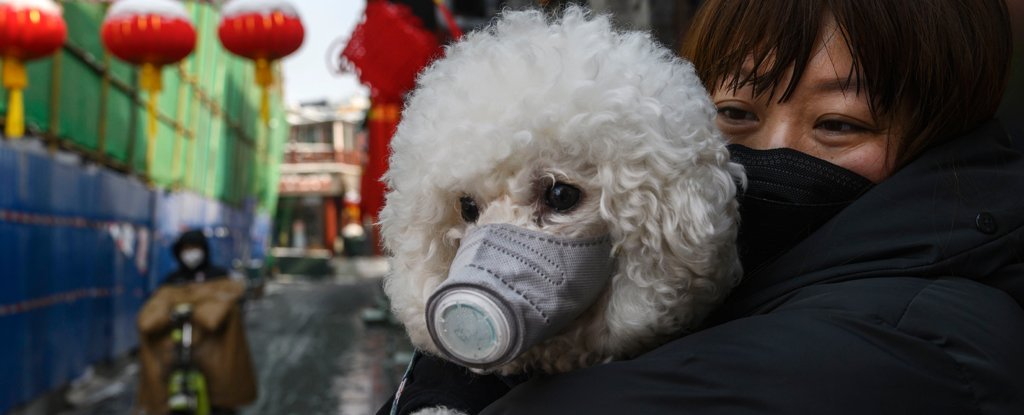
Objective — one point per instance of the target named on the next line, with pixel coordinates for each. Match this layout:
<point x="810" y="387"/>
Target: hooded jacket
<point x="908" y="301"/>
<point x="205" y="271"/>
<point x="220" y="352"/>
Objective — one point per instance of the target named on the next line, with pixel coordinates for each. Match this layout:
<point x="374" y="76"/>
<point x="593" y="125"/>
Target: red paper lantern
<point x="264" y="31"/>
<point x="151" y="33"/>
<point x="29" y="29"/>
<point x="149" y="39"/>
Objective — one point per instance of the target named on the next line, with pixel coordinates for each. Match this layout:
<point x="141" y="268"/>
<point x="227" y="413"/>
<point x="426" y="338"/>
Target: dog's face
<point x="571" y="129"/>
<point x="546" y="195"/>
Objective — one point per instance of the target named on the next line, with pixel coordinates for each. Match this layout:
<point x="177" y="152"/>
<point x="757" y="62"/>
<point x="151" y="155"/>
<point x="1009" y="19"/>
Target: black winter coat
<point x="909" y="301"/>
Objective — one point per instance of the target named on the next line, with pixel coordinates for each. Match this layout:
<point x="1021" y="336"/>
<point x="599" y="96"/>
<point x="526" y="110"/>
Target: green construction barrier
<point x="210" y="138"/>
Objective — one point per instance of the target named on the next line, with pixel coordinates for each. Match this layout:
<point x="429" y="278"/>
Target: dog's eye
<point x="470" y="212"/>
<point x="562" y="197"/>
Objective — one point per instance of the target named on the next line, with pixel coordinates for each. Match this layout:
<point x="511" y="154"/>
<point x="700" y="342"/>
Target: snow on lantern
<point x="264" y="31"/>
<point x="29" y="29"/>
<point x="150" y="33"/>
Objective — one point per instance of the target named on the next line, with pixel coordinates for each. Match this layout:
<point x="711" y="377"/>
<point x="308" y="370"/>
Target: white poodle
<point x="568" y="128"/>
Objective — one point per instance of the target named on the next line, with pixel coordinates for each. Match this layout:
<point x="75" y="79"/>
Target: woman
<point x="883" y="223"/>
<point x="884" y="262"/>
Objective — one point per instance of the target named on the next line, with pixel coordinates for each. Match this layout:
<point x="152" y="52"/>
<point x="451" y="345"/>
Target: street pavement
<point x="315" y="355"/>
<point x="311" y="347"/>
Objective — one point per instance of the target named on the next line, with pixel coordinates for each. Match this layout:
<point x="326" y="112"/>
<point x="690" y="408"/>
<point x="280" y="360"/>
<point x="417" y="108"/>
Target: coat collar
<point x="957" y="210"/>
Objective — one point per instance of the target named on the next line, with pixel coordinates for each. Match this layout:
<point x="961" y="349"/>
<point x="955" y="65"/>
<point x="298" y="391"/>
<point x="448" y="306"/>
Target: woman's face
<point x="821" y="118"/>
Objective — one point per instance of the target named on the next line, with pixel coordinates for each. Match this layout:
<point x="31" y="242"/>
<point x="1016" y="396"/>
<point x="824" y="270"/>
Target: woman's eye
<point x="736" y="114"/>
<point x="470" y="212"/>
<point x="562" y="197"/>
<point x="836" y="126"/>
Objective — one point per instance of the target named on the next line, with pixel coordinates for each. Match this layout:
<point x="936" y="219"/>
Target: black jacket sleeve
<point x="433" y="382"/>
<point x="944" y="347"/>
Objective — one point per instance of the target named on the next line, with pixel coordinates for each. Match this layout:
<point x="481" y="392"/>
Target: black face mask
<point x="789" y="195"/>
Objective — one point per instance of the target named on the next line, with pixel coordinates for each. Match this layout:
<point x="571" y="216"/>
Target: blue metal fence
<point x="81" y="247"/>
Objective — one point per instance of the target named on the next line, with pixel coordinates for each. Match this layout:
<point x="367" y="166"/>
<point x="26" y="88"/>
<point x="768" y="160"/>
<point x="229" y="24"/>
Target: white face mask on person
<point x="192" y="258"/>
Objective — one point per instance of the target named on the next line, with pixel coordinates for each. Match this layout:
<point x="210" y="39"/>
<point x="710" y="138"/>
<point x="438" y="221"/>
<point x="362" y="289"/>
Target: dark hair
<point x="935" y="68"/>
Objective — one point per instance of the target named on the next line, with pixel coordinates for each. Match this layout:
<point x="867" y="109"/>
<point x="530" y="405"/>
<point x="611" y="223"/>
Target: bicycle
<point x="187" y="390"/>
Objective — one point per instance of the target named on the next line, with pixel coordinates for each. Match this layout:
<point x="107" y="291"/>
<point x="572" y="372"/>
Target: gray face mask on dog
<point x="510" y="288"/>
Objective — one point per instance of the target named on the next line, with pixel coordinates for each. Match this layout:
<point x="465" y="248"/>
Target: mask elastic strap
<point x="401" y="386"/>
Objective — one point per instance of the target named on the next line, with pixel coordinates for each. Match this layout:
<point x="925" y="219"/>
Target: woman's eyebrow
<point x="835" y="84"/>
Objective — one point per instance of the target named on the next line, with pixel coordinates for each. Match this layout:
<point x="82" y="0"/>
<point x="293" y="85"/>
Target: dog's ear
<point x="674" y="221"/>
<point x="415" y="223"/>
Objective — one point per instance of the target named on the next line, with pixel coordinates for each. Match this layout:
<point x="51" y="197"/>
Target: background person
<point x="192" y="251"/>
<point x="220" y="351"/>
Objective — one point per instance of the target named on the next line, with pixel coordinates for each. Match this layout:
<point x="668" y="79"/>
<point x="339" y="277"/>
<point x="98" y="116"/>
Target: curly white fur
<point x="439" y="410"/>
<point x="530" y="101"/>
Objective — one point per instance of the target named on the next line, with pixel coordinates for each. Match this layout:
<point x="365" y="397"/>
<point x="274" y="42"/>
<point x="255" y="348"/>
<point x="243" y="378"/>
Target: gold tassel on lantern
<point x="15" y="80"/>
<point x="151" y="81"/>
<point x="265" y="79"/>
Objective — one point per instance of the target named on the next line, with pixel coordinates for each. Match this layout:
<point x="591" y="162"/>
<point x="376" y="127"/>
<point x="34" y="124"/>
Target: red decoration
<point x="382" y="122"/>
<point x="151" y="33"/>
<point x="264" y="31"/>
<point x="256" y="36"/>
<point x="389" y="48"/>
<point x="28" y="30"/>
<point x="28" y="33"/>
<point x="149" y="39"/>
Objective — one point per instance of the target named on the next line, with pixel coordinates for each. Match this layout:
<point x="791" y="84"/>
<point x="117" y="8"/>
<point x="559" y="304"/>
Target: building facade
<point x="318" y="206"/>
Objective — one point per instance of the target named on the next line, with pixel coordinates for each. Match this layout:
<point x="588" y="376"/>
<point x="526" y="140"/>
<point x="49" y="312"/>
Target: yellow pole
<point x="179" y="128"/>
<point x="15" y="80"/>
<point x="265" y="79"/>
<point x="101" y="145"/>
<point x="151" y="81"/>
<point x="54" y="130"/>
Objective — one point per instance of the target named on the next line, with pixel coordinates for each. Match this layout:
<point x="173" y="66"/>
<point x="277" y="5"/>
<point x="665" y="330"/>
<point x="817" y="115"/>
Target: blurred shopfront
<point x="319" y="186"/>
